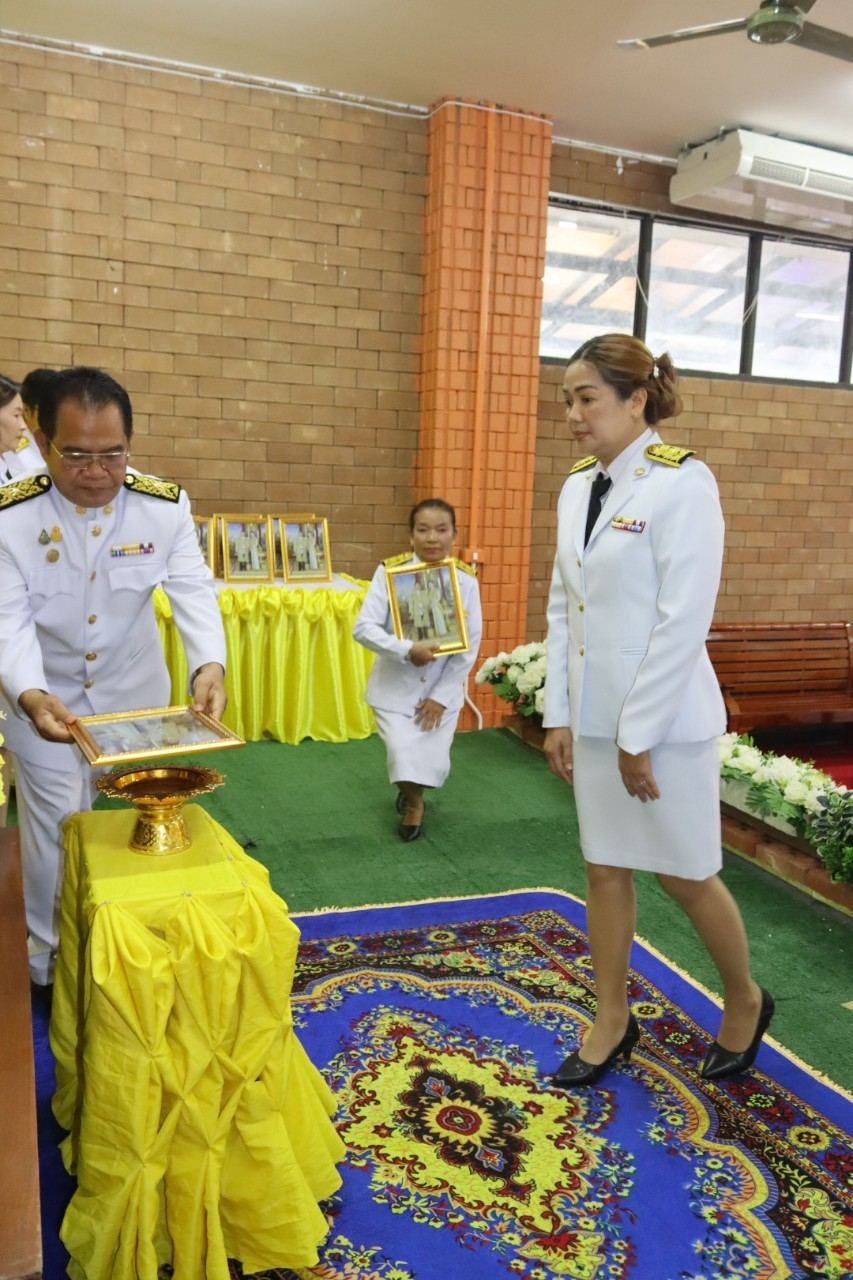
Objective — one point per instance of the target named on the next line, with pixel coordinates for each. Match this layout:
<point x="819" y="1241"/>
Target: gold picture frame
<point x="276" y="517"/>
<point x="126" y="736"/>
<point x="426" y="605"/>
<point x="246" y="545"/>
<point x="306" y="556"/>
<point x="205" y="532"/>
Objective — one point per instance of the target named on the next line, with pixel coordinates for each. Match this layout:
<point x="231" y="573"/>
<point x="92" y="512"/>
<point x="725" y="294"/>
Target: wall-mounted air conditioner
<point x="788" y="184"/>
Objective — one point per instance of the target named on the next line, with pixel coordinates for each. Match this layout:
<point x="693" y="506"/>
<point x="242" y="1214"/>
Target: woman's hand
<point x="637" y="775"/>
<point x="422" y="654"/>
<point x="558" y="752"/>
<point x="428" y="714"/>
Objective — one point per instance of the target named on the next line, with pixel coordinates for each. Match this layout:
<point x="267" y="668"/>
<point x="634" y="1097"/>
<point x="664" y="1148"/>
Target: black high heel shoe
<point x="575" y="1073"/>
<point x="721" y="1063"/>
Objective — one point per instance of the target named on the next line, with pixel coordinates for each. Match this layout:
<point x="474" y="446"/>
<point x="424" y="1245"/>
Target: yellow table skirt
<point x="197" y="1127"/>
<point x="294" y="670"/>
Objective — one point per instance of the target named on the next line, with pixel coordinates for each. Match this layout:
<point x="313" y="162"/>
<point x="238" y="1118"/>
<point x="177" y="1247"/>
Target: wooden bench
<point x="777" y="674"/>
<point x="20" y="1226"/>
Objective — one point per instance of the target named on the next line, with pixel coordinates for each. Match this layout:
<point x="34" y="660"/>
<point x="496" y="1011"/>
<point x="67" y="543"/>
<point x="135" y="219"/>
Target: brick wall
<point x="246" y="262"/>
<point x="249" y="264"/>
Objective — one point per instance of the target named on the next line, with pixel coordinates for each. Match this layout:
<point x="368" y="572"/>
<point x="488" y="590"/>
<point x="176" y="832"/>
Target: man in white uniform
<point x="83" y="545"/>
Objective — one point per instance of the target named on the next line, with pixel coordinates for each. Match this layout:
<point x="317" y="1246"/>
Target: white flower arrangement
<point x="793" y="795"/>
<point x="518" y="677"/>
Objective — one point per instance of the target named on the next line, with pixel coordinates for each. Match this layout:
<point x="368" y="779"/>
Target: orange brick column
<point x="486" y="220"/>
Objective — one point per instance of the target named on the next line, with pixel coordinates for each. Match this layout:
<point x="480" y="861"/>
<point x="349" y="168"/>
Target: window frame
<point x="756" y="239"/>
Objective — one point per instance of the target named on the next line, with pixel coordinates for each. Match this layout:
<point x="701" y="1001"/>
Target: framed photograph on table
<point x="426" y="605"/>
<point x="124" y="737"/>
<point x="247" y="548"/>
<point x="204" y="529"/>
<point x="305" y="549"/>
<point x="277" y="524"/>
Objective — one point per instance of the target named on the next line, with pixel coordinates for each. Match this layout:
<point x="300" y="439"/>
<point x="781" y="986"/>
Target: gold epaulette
<point x="153" y="487"/>
<point x="584" y="464"/>
<point x="669" y="454"/>
<point x="22" y="444"/>
<point x="466" y="568"/>
<point x="22" y="490"/>
<point x="395" y="560"/>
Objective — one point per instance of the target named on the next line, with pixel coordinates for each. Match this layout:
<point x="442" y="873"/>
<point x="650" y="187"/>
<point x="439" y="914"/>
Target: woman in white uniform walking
<point x="633" y="708"/>
<point x="415" y="695"/>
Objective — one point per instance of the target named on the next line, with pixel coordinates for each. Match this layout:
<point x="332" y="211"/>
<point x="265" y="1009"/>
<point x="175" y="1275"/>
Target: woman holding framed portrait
<point x="417" y="685"/>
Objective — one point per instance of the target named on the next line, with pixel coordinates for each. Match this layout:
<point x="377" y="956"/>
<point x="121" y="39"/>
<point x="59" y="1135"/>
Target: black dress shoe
<point x="402" y="803"/>
<point x="410" y="831"/>
<point x="721" y="1063"/>
<point x="575" y="1073"/>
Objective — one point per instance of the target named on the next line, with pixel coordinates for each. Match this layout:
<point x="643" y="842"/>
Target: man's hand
<point x="637" y="775"/>
<point x="428" y="714"/>
<point x="421" y="653"/>
<point x="50" y="716"/>
<point x="558" y="752"/>
<point x="209" y="690"/>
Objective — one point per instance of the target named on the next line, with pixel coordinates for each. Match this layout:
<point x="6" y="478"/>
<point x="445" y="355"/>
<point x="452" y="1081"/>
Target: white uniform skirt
<point x="413" y="755"/>
<point x="678" y="835"/>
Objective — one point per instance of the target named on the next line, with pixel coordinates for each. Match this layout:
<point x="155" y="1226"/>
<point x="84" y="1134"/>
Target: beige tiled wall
<point x="249" y="264"/>
<point x="246" y="262"/>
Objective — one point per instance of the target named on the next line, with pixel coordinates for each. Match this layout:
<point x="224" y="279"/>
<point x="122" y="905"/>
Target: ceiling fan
<point x="774" y="22"/>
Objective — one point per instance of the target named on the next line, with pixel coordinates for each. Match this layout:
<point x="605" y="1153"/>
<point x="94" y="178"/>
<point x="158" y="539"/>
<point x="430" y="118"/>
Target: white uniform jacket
<point x="20" y="461"/>
<point x="394" y="684"/>
<point x="76" y="617"/>
<point x="628" y="616"/>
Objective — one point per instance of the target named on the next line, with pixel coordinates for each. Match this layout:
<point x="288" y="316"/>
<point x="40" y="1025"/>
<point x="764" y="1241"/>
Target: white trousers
<point x="45" y="799"/>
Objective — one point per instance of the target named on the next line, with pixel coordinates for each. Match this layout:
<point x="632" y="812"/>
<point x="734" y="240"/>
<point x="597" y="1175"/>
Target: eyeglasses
<point x="77" y="460"/>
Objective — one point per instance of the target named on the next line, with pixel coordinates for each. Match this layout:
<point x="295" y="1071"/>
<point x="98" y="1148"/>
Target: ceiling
<point x="553" y="56"/>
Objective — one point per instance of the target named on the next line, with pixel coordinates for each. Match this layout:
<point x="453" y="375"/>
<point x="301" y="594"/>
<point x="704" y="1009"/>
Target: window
<point x="719" y="299"/>
<point x="590" y="279"/>
<point x="802" y="292"/>
<point x="697" y="285"/>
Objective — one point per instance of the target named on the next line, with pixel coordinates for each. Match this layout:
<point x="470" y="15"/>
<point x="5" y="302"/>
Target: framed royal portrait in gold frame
<point x="246" y="546"/>
<point x="305" y="552"/>
<point x="125" y="737"/>
<point x="205" y="532"/>
<point x="426" y="605"/>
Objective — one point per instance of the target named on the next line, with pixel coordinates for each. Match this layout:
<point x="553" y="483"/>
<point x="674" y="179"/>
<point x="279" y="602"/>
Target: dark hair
<point x="626" y="364"/>
<point x="431" y="502"/>
<point x="90" y="388"/>
<point x="34" y="384"/>
<point x="8" y="390"/>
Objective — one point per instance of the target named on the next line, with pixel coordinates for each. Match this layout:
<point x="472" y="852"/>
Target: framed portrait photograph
<point x="305" y="549"/>
<point x="426" y="605"/>
<point x="122" y="737"/>
<point x="276" y="521"/>
<point x="247" y="548"/>
<point x="206" y="540"/>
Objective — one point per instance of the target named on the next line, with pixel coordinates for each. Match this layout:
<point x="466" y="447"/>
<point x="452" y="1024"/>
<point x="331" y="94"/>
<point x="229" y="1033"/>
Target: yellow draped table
<point x="294" y="670"/>
<point x="197" y="1128"/>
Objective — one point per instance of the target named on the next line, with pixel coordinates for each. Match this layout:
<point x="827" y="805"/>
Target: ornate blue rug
<point x="438" y="1025"/>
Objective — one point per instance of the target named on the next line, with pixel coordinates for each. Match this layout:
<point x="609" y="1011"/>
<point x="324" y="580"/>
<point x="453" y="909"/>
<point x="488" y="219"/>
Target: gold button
<point x="93" y="575"/>
<point x="90" y="657"/>
<point x="81" y="511"/>
<point x="87" y="684"/>
<point x="423" y="679"/>
<point x="581" y="651"/>
<point x="52" y="555"/>
<point x="96" y="530"/>
<point x="93" y="617"/>
<point x="108" y="509"/>
<point x="579" y="564"/>
<point x="639" y="471"/>
<point x="580" y="606"/>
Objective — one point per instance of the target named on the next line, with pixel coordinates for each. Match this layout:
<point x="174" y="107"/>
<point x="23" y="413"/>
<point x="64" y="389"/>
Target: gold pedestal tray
<point x="160" y="795"/>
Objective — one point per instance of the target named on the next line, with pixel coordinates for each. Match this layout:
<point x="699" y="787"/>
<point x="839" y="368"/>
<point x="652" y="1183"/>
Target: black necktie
<point x="600" y="485"/>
